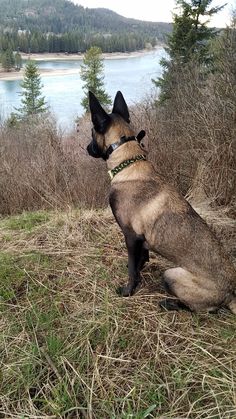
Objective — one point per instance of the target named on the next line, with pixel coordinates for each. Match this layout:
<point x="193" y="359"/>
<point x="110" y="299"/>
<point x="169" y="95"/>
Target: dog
<point x="153" y="215"/>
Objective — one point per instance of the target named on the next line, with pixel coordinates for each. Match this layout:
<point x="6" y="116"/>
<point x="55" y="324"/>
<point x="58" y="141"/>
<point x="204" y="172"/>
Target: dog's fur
<point x="153" y="215"/>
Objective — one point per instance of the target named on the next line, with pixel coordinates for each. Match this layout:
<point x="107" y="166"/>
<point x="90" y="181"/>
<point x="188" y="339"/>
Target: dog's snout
<point x="93" y="149"/>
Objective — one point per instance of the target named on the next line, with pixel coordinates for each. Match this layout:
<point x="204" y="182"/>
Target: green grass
<point x="72" y="348"/>
<point x="11" y="276"/>
<point x="27" y="221"/>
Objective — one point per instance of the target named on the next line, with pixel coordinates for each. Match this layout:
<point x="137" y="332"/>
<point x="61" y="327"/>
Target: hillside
<point x="46" y="25"/>
<point x="72" y="348"/>
<point x="59" y="16"/>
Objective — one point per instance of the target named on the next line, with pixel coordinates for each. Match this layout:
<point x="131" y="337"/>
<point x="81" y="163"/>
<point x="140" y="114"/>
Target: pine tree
<point x="8" y="60"/>
<point x="92" y="73"/>
<point x="18" y="61"/>
<point x="33" y="102"/>
<point x="188" y="41"/>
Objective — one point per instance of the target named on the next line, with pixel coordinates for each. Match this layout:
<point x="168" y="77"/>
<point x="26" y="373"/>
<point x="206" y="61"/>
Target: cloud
<point x="154" y="10"/>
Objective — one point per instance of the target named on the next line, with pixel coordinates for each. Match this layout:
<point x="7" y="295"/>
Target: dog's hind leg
<point x="195" y="293"/>
<point x="135" y="253"/>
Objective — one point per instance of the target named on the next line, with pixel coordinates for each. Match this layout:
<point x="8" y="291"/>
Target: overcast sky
<point x="155" y="10"/>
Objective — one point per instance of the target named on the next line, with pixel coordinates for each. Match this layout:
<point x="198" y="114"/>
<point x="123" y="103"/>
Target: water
<point x="131" y="75"/>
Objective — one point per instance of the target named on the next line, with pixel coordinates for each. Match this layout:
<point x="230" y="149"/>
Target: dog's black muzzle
<point x="93" y="149"/>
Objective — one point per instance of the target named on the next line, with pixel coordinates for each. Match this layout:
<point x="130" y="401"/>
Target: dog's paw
<point x="173" y="305"/>
<point x="125" y="291"/>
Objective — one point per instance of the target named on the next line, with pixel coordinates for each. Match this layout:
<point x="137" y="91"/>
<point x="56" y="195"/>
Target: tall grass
<point x="39" y="169"/>
<point x="192" y="140"/>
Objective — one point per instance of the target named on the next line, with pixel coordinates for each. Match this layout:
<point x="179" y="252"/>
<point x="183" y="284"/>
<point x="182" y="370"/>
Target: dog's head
<point x="108" y="128"/>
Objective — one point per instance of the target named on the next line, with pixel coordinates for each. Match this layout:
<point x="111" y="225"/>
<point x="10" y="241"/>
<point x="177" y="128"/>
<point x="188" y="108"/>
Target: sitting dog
<point x="153" y="215"/>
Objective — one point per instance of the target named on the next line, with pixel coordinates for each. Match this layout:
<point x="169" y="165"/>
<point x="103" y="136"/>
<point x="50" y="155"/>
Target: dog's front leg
<point x="144" y="258"/>
<point x="135" y="249"/>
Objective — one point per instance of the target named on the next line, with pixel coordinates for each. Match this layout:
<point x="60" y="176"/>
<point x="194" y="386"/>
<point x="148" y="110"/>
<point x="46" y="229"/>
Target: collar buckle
<point x="123" y="140"/>
<point x="110" y="174"/>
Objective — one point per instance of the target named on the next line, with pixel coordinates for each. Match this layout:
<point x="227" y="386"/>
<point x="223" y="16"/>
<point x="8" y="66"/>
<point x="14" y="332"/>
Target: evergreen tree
<point x="33" y="103"/>
<point x="8" y="60"/>
<point x="92" y="73"/>
<point x="188" y="41"/>
<point x="18" y="61"/>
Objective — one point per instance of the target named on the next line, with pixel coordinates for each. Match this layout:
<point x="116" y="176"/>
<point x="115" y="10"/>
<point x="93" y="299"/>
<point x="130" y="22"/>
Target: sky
<point x="155" y="10"/>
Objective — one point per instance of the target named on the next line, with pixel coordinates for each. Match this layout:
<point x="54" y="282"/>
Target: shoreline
<point x="62" y="56"/>
<point x="18" y="75"/>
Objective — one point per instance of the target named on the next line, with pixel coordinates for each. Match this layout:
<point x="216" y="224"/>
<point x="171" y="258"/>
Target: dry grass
<point x="72" y="348"/>
<point x="40" y="168"/>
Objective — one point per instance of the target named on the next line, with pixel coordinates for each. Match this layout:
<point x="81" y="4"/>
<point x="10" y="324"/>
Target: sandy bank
<point x="43" y="72"/>
<point x="76" y="57"/>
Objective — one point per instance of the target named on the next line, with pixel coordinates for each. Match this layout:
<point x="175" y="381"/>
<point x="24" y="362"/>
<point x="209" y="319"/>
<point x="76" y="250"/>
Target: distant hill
<point x="59" y="17"/>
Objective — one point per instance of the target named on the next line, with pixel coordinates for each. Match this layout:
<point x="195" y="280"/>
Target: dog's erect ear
<point x="100" y="118"/>
<point x="121" y="107"/>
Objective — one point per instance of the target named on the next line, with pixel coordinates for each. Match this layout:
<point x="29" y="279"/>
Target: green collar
<point x="125" y="164"/>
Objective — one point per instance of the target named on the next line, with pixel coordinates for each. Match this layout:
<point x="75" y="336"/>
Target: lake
<point x="131" y="75"/>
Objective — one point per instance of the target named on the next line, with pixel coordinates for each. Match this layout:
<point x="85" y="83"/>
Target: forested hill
<point x="38" y="20"/>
